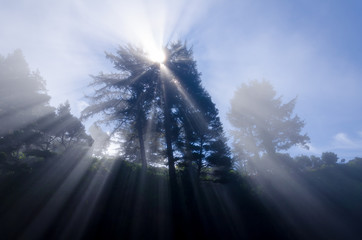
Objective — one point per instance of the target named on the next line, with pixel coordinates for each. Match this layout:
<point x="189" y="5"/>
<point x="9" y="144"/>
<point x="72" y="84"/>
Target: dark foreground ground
<point x="62" y="199"/>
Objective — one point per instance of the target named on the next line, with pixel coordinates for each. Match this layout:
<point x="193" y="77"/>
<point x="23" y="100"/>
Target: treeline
<point x="299" y="163"/>
<point x="159" y="115"/>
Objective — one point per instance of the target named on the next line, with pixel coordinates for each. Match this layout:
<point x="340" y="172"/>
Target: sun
<point x="157" y="56"/>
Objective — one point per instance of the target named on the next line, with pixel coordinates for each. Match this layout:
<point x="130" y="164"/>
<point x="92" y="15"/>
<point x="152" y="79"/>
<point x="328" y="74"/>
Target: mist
<point x="180" y="120"/>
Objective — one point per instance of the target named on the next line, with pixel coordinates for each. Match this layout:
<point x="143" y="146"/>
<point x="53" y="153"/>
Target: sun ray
<point x="197" y="115"/>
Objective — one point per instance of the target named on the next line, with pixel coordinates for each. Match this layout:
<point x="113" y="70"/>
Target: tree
<point x="30" y="128"/>
<point x="125" y="98"/>
<point x="23" y="103"/>
<point x="23" y="97"/>
<point x="262" y="123"/>
<point x="199" y="132"/>
<point x="146" y="100"/>
<point x="316" y="161"/>
<point x="101" y="139"/>
<point x="303" y="162"/>
<point x="69" y="130"/>
<point x="329" y="158"/>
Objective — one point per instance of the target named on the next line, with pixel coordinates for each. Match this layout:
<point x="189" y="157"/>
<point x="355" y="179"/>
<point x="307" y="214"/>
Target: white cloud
<point x="342" y="141"/>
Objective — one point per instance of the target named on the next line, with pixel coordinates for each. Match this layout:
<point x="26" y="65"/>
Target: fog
<point x="205" y="119"/>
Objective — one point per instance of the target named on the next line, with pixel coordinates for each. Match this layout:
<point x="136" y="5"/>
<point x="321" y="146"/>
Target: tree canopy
<point x="262" y="123"/>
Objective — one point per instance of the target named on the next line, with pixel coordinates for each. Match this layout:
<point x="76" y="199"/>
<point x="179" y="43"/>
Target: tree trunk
<point x="177" y="217"/>
<point x="139" y="125"/>
<point x="169" y="150"/>
<point x="188" y="160"/>
<point x="142" y="147"/>
<point x="168" y="135"/>
<point x="199" y="161"/>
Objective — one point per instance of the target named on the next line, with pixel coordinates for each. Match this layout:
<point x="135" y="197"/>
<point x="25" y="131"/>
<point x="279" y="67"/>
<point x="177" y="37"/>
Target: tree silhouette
<point x="23" y="103"/>
<point x="316" y="161"/>
<point x="329" y="158"/>
<point x="68" y="130"/>
<point x="303" y="162"/>
<point x="262" y="123"/>
<point x="22" y="93"/>
<point x="30" y="128"/>
<point x="198" y="133"/>
<point x="146" y="100"/>
<point x="125" y="98"/>
<point x="101" y="140"/>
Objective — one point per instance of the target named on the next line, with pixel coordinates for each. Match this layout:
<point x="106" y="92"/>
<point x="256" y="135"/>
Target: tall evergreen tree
<point x="169" y="95"/>
<point x="125" y="98"/>
<point x="200" y="127"/>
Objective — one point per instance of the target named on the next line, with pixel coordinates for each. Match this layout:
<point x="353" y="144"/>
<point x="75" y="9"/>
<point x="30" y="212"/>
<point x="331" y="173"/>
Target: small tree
<point x="303" y="162"/>
<point x="329" y="158"/>
<point x="101" y="139"/>
<point x="262" y="123"/>
<point x="316" y="161"/>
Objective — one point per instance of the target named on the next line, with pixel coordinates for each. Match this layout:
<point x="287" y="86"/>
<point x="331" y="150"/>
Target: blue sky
<point x="309" y="49"/>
